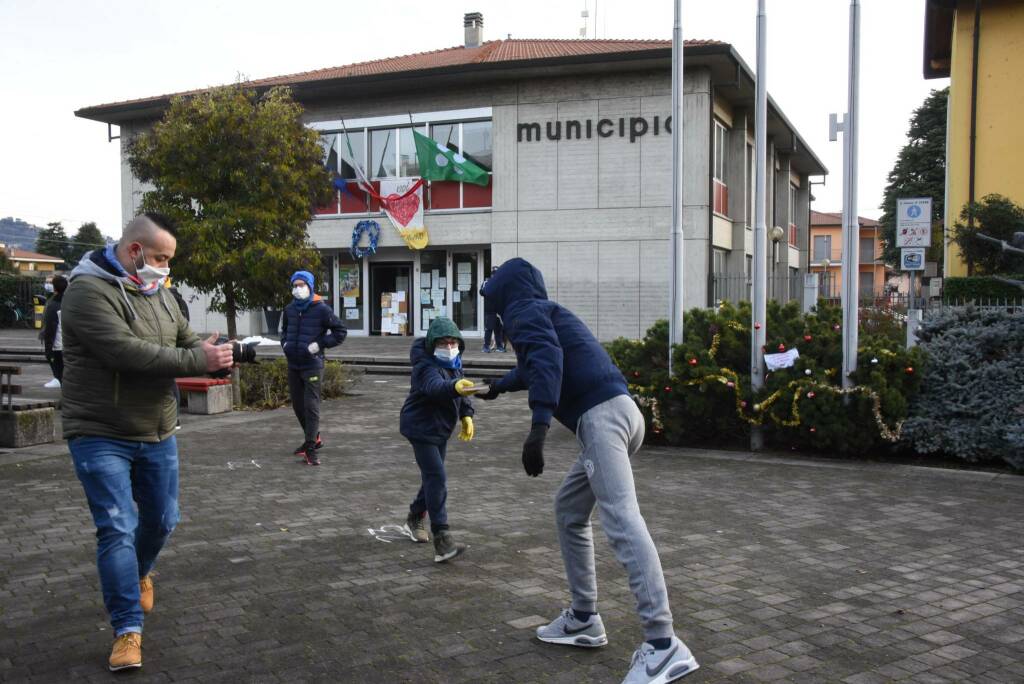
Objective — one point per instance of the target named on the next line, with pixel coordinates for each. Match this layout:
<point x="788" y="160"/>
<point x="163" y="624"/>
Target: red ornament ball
<point x="835" y="327"/>
<point x="814" y="429"/>
<point x="910" y="370"/>
<point x="693" y="362"/>
<point x="782" y="347"/>
<point x="743" y="404"/>
<point x="667" y="388"/>
<point x="730" y="384"/>
<point x="807" y="338"/>
<point x="810" y="395"/>
<point x="636" y="374"/>
<point x="757" y="326"/>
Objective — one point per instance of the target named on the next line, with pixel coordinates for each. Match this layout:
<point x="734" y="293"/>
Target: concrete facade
<point x="593" y="212"/>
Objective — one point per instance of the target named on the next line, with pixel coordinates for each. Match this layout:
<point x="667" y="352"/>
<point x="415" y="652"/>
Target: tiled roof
<point x="490" y="52"/>
<point x="835" y="218"/>
<point x="23" y="255"/>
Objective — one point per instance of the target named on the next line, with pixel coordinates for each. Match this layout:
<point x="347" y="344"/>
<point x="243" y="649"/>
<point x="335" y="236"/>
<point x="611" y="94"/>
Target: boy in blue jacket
<point x="308" y="326"/>
<point x="437" y="399"/>
<point x="570" y="377"/>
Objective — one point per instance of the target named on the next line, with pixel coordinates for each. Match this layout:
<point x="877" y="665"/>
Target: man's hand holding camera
<point x="218" y="356"/>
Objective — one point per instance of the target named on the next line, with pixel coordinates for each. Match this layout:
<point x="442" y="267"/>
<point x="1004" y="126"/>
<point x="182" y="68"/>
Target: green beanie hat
<point x="443" y="327"/>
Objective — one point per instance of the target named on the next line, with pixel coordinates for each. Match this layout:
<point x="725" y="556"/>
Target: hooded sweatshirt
<point x="433" y="406"/>
<point x="122" y="351"/>
<point x="558" y="359"/>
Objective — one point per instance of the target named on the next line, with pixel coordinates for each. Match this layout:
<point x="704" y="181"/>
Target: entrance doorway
<point x="391" y="278"/>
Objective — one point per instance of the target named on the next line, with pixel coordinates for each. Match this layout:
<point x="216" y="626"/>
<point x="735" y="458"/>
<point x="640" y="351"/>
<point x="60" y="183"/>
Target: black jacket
<point x="51" y="322"/>
<point x="316" y="324"/>
<point x="433" y="407"/>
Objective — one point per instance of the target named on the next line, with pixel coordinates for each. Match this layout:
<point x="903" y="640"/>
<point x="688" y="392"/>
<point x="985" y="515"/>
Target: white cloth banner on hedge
<point x="784" y="360"/>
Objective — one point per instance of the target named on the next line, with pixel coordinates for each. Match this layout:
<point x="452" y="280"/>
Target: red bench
<point x="206" y="395"/>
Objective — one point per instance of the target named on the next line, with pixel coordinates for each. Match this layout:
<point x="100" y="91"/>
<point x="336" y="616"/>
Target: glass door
<point x="432" y="290"/>
<point x="390" y="290"/>
<point x="466" y="291"/>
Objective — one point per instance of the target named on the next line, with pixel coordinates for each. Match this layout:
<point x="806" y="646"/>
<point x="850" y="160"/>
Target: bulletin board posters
<point x="348" y="277"/>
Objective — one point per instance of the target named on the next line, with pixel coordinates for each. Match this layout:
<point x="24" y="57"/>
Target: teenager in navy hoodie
<point x="308" y="327"/>
<point x="437" y="400"/>
<point x="570" y="377"/>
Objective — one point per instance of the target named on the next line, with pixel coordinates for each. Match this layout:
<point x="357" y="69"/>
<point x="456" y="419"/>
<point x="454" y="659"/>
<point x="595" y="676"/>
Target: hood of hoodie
<point x="515" y="280"/>
<point x="96" y="263"/>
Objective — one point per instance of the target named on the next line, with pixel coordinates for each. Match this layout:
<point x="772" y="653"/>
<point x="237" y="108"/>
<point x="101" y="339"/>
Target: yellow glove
<point x="467" y="431"/>
<point x="462" y="386"/>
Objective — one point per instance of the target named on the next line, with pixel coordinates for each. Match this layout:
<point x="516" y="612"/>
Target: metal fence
<point x="735" y="288"/>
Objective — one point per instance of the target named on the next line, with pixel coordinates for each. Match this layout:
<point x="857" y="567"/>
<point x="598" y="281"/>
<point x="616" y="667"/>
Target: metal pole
<point x="675" y="335"/>
<point x="851" y="224"/>
<point x="760" y="259"/>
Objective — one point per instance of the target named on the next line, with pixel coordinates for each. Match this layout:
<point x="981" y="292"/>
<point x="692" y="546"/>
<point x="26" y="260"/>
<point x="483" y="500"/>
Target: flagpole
<point x="759" y="312"/>
<point x="851" y="224"/>
<point x="676" y="292"/>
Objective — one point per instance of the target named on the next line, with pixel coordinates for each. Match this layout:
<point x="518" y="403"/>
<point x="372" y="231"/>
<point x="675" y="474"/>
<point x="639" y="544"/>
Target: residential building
<point x="979" y="46"/>
<point x="827" y="255"/>
<point x="30" y="262"/>
<point x="577" y="137"/>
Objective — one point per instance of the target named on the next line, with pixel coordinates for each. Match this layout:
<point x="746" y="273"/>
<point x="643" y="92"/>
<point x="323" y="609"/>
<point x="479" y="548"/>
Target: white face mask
<point x="300" y="292"/>
<point x="447" y="353"/>
<point x="150" y="274"/>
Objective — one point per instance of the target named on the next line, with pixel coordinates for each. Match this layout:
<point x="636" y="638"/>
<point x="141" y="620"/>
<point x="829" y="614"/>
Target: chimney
<point x="474" y="23"/>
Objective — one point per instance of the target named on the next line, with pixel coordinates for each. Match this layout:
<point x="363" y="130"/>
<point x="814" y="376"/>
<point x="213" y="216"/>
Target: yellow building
<point x="827" y="255"/>
<point x="29" y="262"/>
<point x="984" y="136"/>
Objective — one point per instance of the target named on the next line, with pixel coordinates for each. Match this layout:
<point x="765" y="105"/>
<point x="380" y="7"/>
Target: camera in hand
<point x="240" y="353"/>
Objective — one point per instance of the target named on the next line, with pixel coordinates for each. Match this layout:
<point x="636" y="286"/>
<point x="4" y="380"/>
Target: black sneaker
<point x="445" y="547"/>
<point x="310" y="456"/>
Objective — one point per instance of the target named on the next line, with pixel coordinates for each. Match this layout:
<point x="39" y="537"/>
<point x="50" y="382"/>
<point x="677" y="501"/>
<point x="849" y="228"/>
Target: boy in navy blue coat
<point x="307" y="328"/>
<point x="437" y="400"/>
<point x="570" y="377"/>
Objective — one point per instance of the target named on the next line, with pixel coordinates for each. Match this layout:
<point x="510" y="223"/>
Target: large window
<point x="792" y="215"/>
<point x="822" y="247"/>
<point x="718" y="261"/>
<point x="721" y="189"/>
<point x="867" y="250"/>
<point x="391" y="153"/>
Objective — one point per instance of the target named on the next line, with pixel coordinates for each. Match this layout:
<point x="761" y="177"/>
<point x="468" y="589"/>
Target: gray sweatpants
<point x="609" y="434"/>
<point x="304" y="389"/>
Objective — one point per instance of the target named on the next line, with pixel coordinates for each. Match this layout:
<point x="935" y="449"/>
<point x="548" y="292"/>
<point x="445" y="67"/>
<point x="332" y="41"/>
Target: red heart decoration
<point x="402" y="209"/>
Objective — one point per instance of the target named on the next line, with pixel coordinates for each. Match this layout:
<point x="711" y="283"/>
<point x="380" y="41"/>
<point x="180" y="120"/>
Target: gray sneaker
<point x="566" y="629"/>
<point x="651" y="666"/>
<point x="445" y="547"/>
<point x="414" y="528"/>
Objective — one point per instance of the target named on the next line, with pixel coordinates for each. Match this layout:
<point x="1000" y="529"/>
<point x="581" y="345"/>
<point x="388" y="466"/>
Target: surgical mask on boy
<point x="150" y="274"/>
<point x="447" y="353"/>
<point x="300" y="292"/>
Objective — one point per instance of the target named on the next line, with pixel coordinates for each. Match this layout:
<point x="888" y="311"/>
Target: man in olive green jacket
<point x="125" y="340"/>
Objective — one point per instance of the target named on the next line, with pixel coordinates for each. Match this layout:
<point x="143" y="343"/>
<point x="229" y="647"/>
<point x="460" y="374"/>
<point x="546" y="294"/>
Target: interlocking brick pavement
<point x="779" y="569"/>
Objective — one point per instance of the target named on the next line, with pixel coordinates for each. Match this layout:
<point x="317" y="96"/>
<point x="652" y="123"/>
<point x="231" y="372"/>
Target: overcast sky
<point x="59" y="55"/>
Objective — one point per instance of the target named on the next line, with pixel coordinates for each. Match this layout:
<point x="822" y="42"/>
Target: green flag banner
<point x="439" y="163"/>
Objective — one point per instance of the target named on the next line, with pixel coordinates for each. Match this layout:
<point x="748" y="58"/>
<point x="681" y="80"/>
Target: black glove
<point x="533" y="450"/>
<point x="492" y="393"/>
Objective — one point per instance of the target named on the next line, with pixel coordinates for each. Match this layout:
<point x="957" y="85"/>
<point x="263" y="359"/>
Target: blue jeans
<point x="132" y="489"/>
<point x="433" y="494"/>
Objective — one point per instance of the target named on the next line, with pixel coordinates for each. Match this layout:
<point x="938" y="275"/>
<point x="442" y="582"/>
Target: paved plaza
<point x="779" y="569"/>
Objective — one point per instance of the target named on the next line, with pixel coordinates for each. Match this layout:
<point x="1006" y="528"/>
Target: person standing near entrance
<point x="308" y="327"/>
<point x="124" y="343"/>
<point x="437" y="399"/>
<point x="53" y="344"/>
<point x="492" y="325"/>
<point x="570" y="377"/>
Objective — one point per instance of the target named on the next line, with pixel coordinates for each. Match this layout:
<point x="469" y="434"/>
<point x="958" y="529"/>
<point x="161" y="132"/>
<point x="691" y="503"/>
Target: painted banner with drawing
<point x="402" y="201"/>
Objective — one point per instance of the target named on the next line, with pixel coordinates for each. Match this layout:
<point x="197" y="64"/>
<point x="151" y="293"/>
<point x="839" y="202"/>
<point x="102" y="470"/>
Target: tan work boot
<point x="127" y="652"/>
<point x="146" y="593"/>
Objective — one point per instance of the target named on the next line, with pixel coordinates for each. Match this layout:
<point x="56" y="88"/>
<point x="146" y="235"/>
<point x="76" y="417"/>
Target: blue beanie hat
<point x="303" y="275"/>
